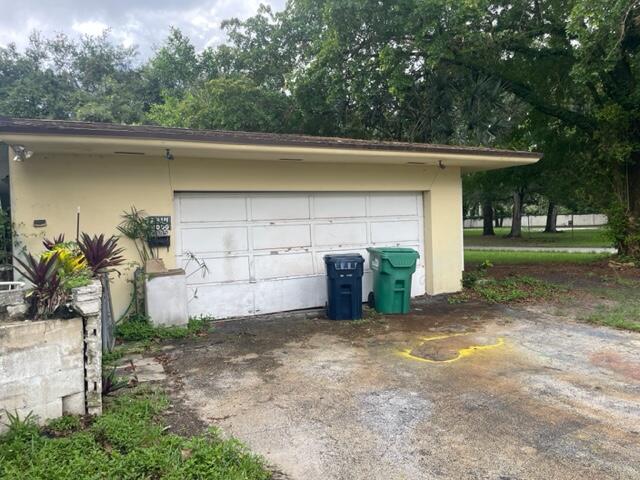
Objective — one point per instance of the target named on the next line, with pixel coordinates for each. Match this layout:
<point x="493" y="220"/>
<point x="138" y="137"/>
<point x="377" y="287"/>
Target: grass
<point x="622" y="304"/>
<point x="588" y="237"/>
<point x="503" y="257"/>
<point x="127" y="442"/>
<point x="625" y="315"/>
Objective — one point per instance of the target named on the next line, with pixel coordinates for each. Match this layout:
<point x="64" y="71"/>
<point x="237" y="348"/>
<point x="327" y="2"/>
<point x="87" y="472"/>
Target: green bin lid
<point x="397" y="256"/>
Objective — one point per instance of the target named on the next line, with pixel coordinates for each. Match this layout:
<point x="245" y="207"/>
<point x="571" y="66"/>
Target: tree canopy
<point x="556" y="76"/>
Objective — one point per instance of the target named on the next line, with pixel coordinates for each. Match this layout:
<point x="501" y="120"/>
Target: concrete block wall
<point x="52" y="367"/>
<point x="41" y="368"/>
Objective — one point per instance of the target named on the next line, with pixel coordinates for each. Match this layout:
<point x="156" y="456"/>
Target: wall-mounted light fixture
<point x="20" y="153"/>
<point x="441" y="164"/>
<point x="168" y="155"/>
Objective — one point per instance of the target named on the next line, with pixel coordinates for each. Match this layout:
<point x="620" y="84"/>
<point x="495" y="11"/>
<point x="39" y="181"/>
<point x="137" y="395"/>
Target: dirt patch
<point x="617" y="363"/>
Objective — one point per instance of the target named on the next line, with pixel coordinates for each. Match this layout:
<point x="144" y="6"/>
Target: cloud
<point x="144" y="23"/>
<point x="89" y="27"/>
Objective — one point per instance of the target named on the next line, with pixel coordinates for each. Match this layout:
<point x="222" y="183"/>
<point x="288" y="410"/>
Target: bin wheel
<point x="371" y="301"/>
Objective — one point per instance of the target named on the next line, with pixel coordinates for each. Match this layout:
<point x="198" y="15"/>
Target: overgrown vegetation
<point x="137" y="328"/>
<point x="129" y="441"/>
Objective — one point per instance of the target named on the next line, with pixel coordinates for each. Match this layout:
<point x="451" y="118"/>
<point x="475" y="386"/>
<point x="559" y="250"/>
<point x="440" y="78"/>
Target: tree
<point x="231" y="103"/>
<point x="88" y="79"/>
<point x="573" y="61"/>
<point x="174" y="68"/>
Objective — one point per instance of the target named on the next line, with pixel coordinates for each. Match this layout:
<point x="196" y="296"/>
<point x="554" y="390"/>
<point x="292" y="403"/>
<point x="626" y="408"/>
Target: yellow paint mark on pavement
<point x="442" y="337"/>
<point x="462" y="353"/>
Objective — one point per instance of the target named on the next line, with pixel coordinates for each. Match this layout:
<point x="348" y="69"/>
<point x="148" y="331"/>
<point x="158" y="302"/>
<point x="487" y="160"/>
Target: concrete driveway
<point x="452" y="391"/>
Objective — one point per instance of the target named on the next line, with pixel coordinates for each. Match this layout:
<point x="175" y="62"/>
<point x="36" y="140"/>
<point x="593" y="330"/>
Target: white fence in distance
<point x="539" y="221"/>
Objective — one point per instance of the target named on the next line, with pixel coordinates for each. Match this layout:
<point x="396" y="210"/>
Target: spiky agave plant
<point x="100" y="253"/>
<point x="47" y="293"/>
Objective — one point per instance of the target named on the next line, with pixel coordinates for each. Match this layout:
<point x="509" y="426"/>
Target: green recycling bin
<point x="392" y="270"/>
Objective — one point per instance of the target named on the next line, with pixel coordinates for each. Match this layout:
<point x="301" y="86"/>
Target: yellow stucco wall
<point x="52" y="186"/>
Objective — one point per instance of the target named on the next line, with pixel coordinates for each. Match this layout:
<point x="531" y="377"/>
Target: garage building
<point x="261" y="210"/>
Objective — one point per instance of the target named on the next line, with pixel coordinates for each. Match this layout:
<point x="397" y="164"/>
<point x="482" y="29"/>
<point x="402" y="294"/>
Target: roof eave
<point x="108" y="145"/>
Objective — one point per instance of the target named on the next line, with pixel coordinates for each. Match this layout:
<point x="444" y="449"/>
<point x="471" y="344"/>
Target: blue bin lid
<point x="343" y="257"/>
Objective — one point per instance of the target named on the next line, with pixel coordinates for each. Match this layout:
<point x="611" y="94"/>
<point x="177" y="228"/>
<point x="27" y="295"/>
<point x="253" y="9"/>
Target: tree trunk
<point x="487" y="218"/>
<point x="552" y="219"/>
<point x="629" y="245"/>
<point x="516" y="216"/>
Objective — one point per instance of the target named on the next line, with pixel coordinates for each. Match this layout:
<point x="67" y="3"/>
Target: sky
<point x="144" y="23"/>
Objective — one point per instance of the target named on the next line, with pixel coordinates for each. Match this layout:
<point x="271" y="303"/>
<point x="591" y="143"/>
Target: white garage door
<point x="264" y="251"/>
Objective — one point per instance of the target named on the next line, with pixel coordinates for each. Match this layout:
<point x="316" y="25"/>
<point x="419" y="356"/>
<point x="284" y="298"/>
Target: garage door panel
<point x="290" y="294"/>
<point x="280" y="207"/>
<point x="395" y="231"/>
<point x="214" y="239"/>
<point x="221" y="300"/>
<point x="340" y="205"/>
<point x="339" y="234"/>
<point x="283" y="265"/>
<point x="273" y="237"/>
<point x="203" y="208"/>
<point x="393" y="204"/>
<point x="219" y="270"/>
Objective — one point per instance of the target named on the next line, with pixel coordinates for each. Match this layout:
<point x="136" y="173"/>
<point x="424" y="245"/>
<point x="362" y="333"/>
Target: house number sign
<point x="160" y="230"/>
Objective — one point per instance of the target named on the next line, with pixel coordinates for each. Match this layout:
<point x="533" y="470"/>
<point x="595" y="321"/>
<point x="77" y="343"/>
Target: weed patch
<point x="63" y="426"/>
<point x="127" y="442"/>
<point x="519" y="288"/>
<point x="514" y="289"/>
<point x="139" y="328"/>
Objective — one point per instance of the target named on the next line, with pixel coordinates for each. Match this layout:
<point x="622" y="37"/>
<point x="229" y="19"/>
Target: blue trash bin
<point x="344" y="286"/>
